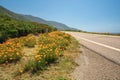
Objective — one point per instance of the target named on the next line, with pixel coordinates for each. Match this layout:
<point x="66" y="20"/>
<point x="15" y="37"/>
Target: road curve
<point x="100" y="57"/>
<point x="105" y="45"/>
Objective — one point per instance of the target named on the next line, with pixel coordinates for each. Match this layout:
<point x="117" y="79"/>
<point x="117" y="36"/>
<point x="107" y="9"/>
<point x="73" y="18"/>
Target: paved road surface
<point x="100" y="59"/>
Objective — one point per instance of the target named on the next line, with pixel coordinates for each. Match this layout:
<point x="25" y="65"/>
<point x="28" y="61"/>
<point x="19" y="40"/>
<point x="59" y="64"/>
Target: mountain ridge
<point x="58" y="25"/>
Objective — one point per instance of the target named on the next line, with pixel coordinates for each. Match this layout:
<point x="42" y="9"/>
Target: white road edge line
<point x="113" y="48"/>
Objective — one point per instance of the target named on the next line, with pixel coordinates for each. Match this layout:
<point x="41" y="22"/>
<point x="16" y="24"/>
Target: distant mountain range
<point x="59" y="26"/>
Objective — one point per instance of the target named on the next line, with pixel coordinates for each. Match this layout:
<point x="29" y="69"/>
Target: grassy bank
<point x="39" y="58"/>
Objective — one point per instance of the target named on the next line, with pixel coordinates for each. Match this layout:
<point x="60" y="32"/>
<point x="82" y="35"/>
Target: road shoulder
<point x="95" y="67"/>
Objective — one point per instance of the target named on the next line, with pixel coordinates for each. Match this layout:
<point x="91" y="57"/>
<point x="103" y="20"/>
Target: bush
<point x="29" y="41"/>
<point x="13" y="33"/>
<point x="11" y="50"/>
<point x="50" y="48"/>
<point x="3" y="37"/>
<point x="16" y="28"/>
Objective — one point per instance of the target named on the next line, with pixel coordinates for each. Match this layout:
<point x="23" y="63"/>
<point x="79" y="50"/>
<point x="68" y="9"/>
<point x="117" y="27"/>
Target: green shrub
<point x="29" y="41"/>
<point x="50" y="48"/>
<point x="16" y="28"/>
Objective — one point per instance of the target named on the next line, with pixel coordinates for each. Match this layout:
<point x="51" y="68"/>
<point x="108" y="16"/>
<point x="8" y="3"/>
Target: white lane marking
<point x="113" y="48"/>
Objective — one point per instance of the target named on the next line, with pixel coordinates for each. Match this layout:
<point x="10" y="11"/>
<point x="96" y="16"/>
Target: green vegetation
<point x="29" y="41"/>
<point x="10" y="51"/>
<point x="24" y="56"/>
<point x="51" y="54"/>
<point x="10" y="28"/>
<point x="50" y="48"/>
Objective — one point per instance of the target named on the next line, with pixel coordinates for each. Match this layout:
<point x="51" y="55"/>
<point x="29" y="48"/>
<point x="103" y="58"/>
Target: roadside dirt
<point x="95" y="67"/>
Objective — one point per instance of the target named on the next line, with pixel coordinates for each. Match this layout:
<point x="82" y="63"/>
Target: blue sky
<point x="88" y="15"/>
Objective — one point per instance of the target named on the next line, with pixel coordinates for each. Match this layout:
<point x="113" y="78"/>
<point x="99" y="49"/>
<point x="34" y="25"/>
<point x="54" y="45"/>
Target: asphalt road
<point x="100" y="59"/>
<point x="105" y="45"/>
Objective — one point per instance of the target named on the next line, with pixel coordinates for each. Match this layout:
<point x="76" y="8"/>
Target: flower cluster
<point x="50" y="48"/>
<point x="28" y="41"/>
<point x="11" y="50"/>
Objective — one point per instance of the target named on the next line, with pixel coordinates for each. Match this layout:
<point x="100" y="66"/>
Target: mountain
<point x="4" y="11"/>
<point x="31" y="18"/>
<point x="58" y="25"/>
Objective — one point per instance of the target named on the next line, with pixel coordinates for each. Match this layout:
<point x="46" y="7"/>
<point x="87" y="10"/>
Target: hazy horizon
<point x="87" y="15"/>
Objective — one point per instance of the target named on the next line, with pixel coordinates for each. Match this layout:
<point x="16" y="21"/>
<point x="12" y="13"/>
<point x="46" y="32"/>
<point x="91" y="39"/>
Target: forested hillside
<point x="10" y="28"/>
<point x="31" y="18"/>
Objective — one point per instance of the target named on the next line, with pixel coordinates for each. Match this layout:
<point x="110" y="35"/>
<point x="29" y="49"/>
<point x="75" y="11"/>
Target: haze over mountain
<point x="59" y="26"/>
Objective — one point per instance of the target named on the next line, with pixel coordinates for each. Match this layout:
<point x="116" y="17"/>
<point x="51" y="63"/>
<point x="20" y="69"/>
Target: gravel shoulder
<point x="95" y="67"/>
